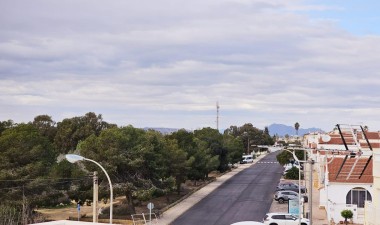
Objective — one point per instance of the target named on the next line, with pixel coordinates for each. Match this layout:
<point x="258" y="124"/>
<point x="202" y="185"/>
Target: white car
<point x="246" y="159"/>
<point x="289" y="166"/>
<point x="248" y="223"/>
<point x="283" y="219"/>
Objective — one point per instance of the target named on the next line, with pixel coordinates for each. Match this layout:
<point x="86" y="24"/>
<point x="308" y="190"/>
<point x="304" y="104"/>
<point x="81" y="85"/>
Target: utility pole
<point x="95" y="199"/>
<point x="311" y="192"/>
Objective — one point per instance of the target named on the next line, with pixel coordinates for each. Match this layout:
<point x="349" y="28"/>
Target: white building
<point x="344" y="189"/>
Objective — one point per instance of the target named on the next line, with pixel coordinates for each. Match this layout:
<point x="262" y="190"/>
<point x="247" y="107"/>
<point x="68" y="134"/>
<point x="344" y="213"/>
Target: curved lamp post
<point x="75" y="158"/>
<point x="299" y="184"/>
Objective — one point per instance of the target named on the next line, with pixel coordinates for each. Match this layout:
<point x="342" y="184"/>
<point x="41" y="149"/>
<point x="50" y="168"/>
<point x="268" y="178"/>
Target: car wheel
<point x="281" y="200"/>
<point x="303" y="224"/>
<point x="275" y="224"/>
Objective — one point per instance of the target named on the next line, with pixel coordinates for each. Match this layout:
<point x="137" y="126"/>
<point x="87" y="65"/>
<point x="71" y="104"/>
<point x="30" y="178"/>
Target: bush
<point x="292" y="174"/>
<point x="144" y="195"/>
<point x="346" y="214"/>
<point x="9" y="215"/>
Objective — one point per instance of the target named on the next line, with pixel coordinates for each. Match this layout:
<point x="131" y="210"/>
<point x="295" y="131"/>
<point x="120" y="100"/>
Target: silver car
<point x="290" y="186"/>
<point x="283" y="196"/>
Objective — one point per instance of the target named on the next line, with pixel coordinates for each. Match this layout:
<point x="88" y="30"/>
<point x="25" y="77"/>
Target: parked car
<point x="248" y="223"/>
<point x="283" y="219"/>
<point x="284" y="196"/>
<point x="290" y="186"/>
<point x="246" y="159"/>
<point x="291" y="165"/>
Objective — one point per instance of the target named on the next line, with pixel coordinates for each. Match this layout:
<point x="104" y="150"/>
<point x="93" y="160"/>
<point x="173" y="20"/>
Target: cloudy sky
<point x="166" y="63"/>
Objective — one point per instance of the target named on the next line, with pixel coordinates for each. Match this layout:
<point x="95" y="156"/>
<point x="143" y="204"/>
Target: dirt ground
<point x="160" y="205"/>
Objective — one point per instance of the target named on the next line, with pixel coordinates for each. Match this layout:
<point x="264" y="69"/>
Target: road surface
<point x="246" y="196"/>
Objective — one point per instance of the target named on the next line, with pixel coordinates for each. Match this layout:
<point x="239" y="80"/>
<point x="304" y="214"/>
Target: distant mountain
<point x="162" y="130"/>
<point x="282" y="130"/>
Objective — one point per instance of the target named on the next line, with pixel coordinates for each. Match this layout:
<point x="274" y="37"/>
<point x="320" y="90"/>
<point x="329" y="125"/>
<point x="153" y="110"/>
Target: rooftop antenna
<point x="217" y="115"/>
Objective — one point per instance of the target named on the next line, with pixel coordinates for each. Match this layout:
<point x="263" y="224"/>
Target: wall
<point x="334" y="211"/>
<point x="372" y="210"/>
<point x="336" y="199"/>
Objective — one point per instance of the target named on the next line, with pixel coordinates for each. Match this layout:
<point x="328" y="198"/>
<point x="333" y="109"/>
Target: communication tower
<point x="217" y="115"/>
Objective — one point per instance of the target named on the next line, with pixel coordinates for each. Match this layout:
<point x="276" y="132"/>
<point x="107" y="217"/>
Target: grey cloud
<point x="134" y="60"/>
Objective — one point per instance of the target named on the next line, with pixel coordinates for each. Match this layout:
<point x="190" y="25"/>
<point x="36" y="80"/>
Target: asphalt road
<point x="246" y="196"/>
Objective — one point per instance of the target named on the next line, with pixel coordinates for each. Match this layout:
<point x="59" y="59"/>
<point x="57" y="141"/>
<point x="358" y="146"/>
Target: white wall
<point x="337" y="192"/>
<point x="334" y="210"/>
<point x="323" y="198"/>
<point x="336" y="198"/>
<point x="373" y="208"/>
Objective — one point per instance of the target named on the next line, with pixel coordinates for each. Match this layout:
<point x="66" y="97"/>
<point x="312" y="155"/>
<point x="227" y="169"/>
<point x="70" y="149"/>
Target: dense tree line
<point x="141" y="163"/>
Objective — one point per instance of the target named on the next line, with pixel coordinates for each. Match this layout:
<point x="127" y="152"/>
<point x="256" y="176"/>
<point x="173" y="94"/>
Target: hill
<point x="282" y="130"/>
<point x="162" y="130"/>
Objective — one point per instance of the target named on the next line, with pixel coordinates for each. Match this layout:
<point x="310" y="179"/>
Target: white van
<point x="246" y="159"/>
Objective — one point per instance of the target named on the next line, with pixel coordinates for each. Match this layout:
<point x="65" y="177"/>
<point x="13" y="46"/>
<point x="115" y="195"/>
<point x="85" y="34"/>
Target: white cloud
<point x="166" y="63"/>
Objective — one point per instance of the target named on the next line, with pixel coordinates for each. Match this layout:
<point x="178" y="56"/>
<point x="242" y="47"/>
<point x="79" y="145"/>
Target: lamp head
<point x="74" y="158"/>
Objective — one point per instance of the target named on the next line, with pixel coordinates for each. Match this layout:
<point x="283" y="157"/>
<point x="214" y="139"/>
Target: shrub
<point x="346" y="214"/>
<point x="292" y="174"/>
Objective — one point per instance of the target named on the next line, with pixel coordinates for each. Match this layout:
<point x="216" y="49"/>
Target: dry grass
<point x="121" y="214"/>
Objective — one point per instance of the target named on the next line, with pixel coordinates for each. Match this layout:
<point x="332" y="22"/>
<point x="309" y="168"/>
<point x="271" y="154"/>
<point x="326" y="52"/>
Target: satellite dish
<point x="326" y="138"/>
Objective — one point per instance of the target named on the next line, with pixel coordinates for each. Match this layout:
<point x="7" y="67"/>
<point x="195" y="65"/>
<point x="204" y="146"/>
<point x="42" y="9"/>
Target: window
<point x="278" y="217"/>
<point x="289" y="217"/>
<point x="357" y="196"/>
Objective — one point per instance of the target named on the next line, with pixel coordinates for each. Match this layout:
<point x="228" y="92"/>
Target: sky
<point x="167" y="63"/>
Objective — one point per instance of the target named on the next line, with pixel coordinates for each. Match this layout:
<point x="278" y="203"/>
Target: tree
<point x="346" y="214"/>
<point x="285" y="157"/>
<point x="122" y="154"/>
<point x="177" y="164"/>
<point x="202" y="162"/>
<point x="296" y="126"/>
<point x="234" y="146"/>
<point x="10" y="215"/>
<point x="266" y="130"/>
<point x="202" y="151"/>
<point x="46" y="126"/>
<point x="26" y="158"/>
<point x="292" y="174"/>
<point x="5" y="125"/>
<point x="212" y="141"/>
<point x="141" y="163"/>
<point x="71" y="131"/>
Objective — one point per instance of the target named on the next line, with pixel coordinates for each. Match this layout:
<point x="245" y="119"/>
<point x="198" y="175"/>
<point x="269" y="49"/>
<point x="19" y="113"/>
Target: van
<point x="246" y="159"/>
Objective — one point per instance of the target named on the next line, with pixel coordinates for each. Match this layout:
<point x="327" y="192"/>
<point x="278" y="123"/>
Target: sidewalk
<point x="319" y="214"/>
<point x="172" y="213"/>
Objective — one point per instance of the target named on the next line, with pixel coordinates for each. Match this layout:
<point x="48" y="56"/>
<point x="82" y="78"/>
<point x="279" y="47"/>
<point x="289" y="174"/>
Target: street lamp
<point x="299" y="185"/>
<point x="75" y="158"/>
